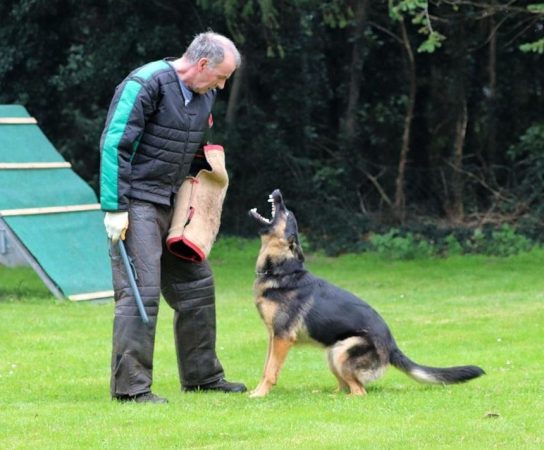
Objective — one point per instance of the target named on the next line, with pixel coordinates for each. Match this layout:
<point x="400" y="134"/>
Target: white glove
<point x="116" y="225"/>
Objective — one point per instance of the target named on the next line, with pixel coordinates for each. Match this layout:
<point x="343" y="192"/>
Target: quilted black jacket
<point x="150" y="137"/>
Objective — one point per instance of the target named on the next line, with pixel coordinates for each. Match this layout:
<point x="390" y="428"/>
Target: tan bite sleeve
<point x="197" y="210"/>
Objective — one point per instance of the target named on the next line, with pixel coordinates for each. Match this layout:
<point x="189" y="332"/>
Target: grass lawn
<point x="55" y="356"/>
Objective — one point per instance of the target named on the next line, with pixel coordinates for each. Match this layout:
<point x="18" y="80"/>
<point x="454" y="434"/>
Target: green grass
<point x="54" y="365"/>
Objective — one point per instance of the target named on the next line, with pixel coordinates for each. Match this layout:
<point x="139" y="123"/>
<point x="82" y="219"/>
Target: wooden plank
<point x="35" y="165"/>
<point x="91" y="296"/>
<point x="49" y="210"/>
<point x="17" y="120"/>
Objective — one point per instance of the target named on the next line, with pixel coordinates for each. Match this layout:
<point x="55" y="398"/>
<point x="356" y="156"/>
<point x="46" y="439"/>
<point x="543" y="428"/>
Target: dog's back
<point x="337" y="314"/>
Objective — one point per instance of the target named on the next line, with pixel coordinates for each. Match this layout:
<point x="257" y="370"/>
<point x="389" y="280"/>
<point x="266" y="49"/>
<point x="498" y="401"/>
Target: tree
<point x="363" y="113"/>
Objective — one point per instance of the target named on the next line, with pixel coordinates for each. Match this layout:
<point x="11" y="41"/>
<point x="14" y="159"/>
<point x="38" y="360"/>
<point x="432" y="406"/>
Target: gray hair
<point x="212" y="46"/>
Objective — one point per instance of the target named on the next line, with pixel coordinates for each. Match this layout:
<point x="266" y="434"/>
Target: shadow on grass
<point x="22" y="284"/>
<point x="309" y="390"/>
<point x="22" y="293"/>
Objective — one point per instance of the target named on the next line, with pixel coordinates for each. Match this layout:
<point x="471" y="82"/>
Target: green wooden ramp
<point x="49" y="216"/>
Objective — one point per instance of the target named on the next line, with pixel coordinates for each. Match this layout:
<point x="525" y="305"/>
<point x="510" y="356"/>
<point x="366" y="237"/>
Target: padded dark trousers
<point x="187" y="287"/>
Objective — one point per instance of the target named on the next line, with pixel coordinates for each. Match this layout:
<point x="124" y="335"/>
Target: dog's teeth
<point x="270" y="200"/>
<point x="254" y="210"/>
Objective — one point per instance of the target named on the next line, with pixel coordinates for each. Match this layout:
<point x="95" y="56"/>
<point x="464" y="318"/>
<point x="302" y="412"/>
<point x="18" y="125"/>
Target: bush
<point x="402" y="244"/>
<point x="395" y="245"/>
<point x="501" y="242"/>
<point x="452" y="246"/>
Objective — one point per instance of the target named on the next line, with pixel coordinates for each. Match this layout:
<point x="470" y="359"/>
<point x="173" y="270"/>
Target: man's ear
<point x="295" y="248"/>
<point x="201" y="64"/>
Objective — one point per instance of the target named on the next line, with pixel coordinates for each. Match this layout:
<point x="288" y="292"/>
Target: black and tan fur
<point x="295" y="304"/>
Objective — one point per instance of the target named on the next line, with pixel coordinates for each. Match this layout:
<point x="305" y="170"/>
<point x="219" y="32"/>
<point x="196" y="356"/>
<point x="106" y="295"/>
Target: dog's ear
<point x="295" y="248"/>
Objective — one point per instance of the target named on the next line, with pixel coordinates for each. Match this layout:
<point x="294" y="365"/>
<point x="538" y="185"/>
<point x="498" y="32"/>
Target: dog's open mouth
<point x="275" y="199"/>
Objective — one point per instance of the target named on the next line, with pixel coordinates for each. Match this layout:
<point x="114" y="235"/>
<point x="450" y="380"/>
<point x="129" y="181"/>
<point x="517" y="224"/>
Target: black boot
<point x="147" y="397"/>
<point x="220" y="385"/>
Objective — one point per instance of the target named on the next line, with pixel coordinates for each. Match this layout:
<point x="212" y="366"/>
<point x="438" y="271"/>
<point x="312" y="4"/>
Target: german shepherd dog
<point x="294" y="304"/>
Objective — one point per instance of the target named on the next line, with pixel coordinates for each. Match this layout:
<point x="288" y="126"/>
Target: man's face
<point x="208" y="77"/>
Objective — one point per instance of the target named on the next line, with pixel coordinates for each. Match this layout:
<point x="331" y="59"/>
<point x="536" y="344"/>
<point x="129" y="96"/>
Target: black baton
<point x="132" y="280"/>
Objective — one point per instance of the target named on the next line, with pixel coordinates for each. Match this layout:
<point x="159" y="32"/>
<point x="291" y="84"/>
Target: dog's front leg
<point x="277" y="353"/>
<point x="266" y="362"/>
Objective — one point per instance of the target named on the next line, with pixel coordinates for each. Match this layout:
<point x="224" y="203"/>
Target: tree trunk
<point x="457" y="210"/>
<point x="234" y="97"/>
<point x="349" y="129"/>
<point x="492" y="94"/>
<point x="400" y="198"/>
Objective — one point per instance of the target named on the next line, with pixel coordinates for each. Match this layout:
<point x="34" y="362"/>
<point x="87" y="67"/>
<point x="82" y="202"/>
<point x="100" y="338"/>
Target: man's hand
<point x="116" y="225"/>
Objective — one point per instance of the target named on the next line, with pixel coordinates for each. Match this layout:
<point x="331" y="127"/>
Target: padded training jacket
<point x="150" y="137"/>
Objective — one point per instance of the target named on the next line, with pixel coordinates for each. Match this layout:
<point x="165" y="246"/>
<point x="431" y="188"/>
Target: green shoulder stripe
<point x="149" y="69"/>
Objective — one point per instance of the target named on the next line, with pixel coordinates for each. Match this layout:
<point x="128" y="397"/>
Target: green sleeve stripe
<point x="116" y="129"/>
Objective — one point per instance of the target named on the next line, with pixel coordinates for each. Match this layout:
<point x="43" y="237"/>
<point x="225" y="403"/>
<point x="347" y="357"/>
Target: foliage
<point x="530" y="145"/>
<point x="527" y="158"/>
<point x="433" y="41"/>
<point x="502" y="242"/>
<point x="393" y="245"/>
<point x="536" y="47"/>
<point x="63" y="58"/>
<point x="419" y="11"/>
<point x="336" y="13"/>
<point x="537" y="8"/>
<point x="406" y="245"/>
<point x="452" y="246"/>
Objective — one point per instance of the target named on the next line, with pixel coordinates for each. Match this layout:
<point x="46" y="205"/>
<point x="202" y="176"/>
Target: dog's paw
<point x="257" y="393"/>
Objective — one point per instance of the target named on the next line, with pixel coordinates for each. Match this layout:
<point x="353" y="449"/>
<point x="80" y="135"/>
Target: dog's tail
<point x="433" y="375"/>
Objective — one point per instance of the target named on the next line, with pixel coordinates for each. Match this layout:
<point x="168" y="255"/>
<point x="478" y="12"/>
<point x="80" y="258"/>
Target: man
<point x="156" y="122"/>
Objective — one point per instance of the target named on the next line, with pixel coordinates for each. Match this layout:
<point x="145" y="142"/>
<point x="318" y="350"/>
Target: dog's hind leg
<point x="342" y="385"/>
<point x="355" y="361"/>
<point x="277" y="353"/>
<point x="341" y="366"/>
<point x="355" y="387"/>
